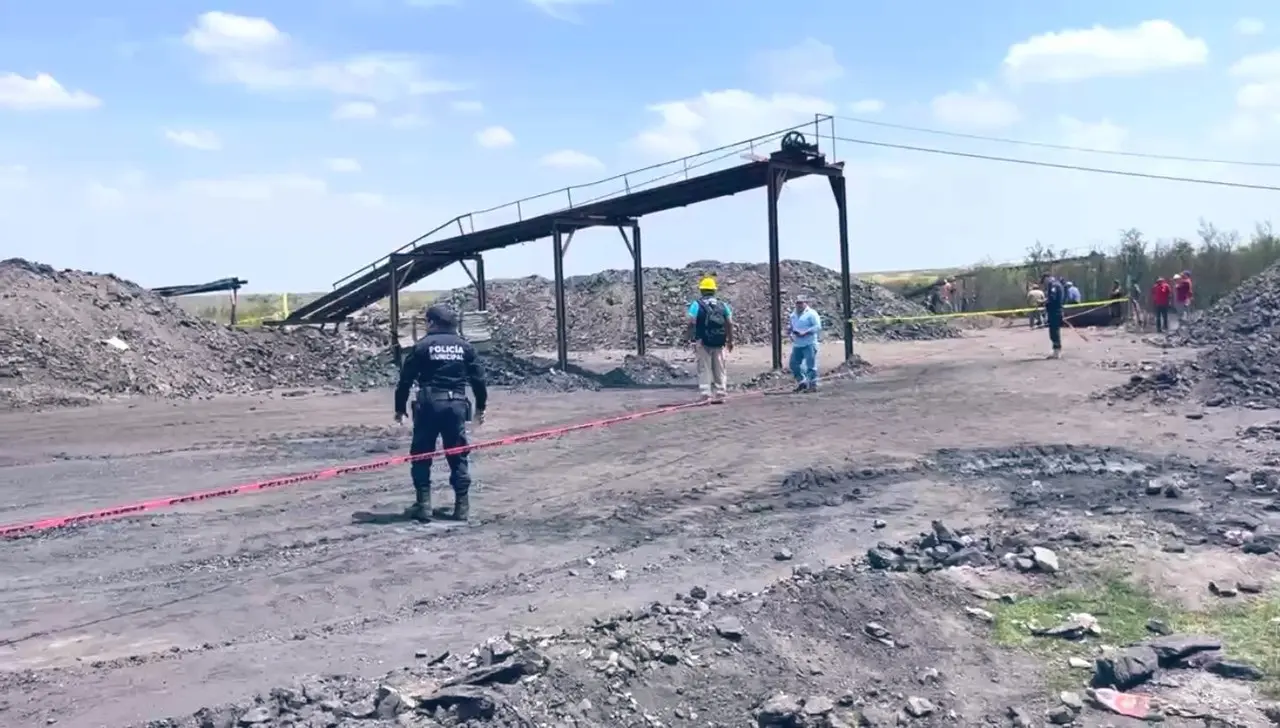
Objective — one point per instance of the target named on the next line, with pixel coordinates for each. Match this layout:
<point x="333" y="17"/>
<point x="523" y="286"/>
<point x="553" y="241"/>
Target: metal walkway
<point x="458" y="241"/>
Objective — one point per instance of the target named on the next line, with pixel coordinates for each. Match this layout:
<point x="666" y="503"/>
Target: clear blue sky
<point x="290" y="143"/>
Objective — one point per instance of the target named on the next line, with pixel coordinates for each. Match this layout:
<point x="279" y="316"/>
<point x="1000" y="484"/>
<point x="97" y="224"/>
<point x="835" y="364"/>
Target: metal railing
<point x="670" y="170"/>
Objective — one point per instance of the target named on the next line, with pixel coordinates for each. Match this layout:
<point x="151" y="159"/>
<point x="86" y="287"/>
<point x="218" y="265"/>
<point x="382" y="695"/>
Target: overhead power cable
<point x="1055" y="165"/>
<point x="1059" y="147"/>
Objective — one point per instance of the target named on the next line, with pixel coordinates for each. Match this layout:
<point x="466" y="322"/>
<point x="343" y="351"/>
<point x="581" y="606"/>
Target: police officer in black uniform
<point x="442" y="363"/>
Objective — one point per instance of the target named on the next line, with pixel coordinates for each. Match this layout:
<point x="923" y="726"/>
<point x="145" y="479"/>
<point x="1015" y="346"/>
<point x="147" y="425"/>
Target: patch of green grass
<point x="1121" y="608"/>
<point x="1249" y="627"/>
<point x="1249" y="630"/>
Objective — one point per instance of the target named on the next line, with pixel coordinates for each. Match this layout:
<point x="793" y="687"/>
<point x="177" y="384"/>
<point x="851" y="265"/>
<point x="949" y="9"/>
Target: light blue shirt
<point x="693" y="308"/>
<point x="1073" y="295"/>
<point x="809" y="322"/>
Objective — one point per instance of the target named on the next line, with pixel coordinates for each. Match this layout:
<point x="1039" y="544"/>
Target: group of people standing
<point x="711" y="331"/>
<point x="1175" y="296"/>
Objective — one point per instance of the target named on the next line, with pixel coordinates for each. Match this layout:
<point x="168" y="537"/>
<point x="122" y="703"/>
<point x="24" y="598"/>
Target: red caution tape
<point x="22" y="529"/>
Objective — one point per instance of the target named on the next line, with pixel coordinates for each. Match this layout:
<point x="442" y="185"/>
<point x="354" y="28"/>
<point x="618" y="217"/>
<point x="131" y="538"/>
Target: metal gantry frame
<point x="563" y="229"/>
<point x="779" y="169"/>
<point x="796" y="158"/>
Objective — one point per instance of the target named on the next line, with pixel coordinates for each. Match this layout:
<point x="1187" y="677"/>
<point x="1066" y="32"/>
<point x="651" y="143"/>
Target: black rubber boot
<point x="461" y="506"/>
<point x="421" y="509"/>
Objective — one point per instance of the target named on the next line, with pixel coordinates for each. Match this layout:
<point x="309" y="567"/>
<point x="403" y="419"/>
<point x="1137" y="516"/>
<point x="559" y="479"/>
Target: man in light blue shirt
<point x="1073" y="293"/>
<point x="804" y="328"/>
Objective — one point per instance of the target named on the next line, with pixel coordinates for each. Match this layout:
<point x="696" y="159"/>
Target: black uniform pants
<point x="1162" y="318"/>
<point x="438" y="419"/>
<point x="1054" y="317"/>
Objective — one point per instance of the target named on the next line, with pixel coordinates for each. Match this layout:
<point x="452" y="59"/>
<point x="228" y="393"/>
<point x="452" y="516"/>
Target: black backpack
<point x="712" y="323"/>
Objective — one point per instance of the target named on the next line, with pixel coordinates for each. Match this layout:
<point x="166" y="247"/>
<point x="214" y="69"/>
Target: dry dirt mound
<point x="826" y="648"/>
<point x="69" y="337"/>
<point x="601" y="306"/>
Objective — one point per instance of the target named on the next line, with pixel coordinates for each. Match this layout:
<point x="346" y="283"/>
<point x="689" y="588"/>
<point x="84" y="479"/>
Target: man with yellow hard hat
<point x="711" y="332"/>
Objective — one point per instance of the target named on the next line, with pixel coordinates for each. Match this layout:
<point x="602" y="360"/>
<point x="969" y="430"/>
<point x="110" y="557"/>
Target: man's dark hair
<point x="441" y="315"/>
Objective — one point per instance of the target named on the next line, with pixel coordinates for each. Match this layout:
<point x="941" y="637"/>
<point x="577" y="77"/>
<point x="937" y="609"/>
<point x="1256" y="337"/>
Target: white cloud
<point x="355" y="110"/>
<point x="1081" y="54"/>
<point x="979" y="109"/>
<point x="1257" y="66"/>
<point x="1259" y="96"/>
<point x="467" y="107"/>
<point x="257" y="188"/>
<point x="42" y="93"/>
<point x="205" y="141"/>
<point x="1260" y="88"/>
<point x="103" y="197"/>
<point x="716" y="118"/>
<point x="369" y="199"/>
<point x="408" y="121"/>
<point x="218" y="32"/>
<point x="1250" y="26"/>
<point x="1103" y="135"/>
<point x="342" y="165"/>
<point x="566" y="10"/>
<point x="254" y="53"/>
<point x="866" y="106"/>
<point x="810" y="63"/>
<point x="495" y="137"/>
<point x="571" y="159"/>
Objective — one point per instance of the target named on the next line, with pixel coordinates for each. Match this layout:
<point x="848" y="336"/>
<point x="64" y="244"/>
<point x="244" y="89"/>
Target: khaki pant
<point x="712" y="380"/>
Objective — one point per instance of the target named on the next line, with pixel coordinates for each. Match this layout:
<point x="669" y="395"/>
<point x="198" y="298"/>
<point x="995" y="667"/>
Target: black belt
<point x="443" y="394"/>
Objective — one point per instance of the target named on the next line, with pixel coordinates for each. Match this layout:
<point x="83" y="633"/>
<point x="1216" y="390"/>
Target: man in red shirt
<point x="1161" y="292"/>
<point x="1182" y="295"/>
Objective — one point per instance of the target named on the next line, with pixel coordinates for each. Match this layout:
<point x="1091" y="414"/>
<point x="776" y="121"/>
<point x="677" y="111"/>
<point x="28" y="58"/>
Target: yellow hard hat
<point x="707" y="284"/>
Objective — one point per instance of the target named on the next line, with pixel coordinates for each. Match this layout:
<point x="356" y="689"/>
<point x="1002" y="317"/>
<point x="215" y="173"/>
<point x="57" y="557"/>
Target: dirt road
<point x="159" y="614"/>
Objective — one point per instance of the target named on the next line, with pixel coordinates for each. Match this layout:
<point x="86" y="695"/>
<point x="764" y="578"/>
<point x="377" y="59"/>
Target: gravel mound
<point x="1241" y="365"/>
<point x="796" y="654"/>
<point x="1170" y="382"/>
<point x="647" y="371"/>
<point x="600" y="306"/>
<point x="70" y="337"/>
<point x="1241" y="362"/>
<point x="855" y="367"/>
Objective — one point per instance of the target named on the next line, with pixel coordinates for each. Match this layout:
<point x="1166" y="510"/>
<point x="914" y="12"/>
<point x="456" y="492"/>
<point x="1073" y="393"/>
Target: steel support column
<point x="777" y="178"/>
<point x="840" y="189"/>
<point x="637" y="279"/>
<point x="393" y="283"/>
<point x="562" y="327"/>
<point x="482" y="294"/>
<point x="637" y="274"/>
